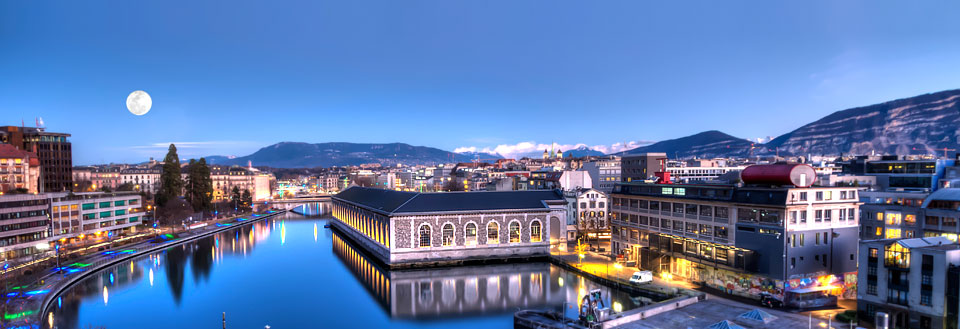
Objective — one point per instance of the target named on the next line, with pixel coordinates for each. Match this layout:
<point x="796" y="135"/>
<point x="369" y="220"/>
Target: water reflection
<point x="204" y="278"/>
<point x="424" y="294"/>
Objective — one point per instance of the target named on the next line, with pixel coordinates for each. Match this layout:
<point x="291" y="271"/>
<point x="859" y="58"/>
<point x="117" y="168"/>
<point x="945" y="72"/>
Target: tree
<point x="247" y="199"/>
<point x="126" y="187"/>
<point x="453" y="185"/>
<point x="235" y="197"/>
<point x="199" y="186"/>
<point x="204" y="185"/>
<point x="171" y="184"/>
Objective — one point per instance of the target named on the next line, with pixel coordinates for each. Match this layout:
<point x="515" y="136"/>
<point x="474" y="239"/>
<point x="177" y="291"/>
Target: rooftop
<point x="395" y="202"/>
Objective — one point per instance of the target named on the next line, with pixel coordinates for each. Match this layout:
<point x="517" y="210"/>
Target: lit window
<point x="493" y="233"/>
<point x="447" y="235"/>
<point x="514" y="232"/>
<point x="535" y="232"/>
<point x="424" y="236"/>
<point x="471" y="234"/>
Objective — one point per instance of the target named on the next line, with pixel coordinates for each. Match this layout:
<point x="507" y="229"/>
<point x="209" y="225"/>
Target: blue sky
<point x="228" y="77"/>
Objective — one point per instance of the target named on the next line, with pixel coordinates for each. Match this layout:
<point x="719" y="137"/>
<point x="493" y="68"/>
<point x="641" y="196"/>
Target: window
<point x="447" y="234"/>
<point x="803" y="217"/>
<point x="816" y="240"/>
<point x="910" y="219"/>
<point x="892" y="233"/>
<point x="720" y="232"/>
<point x="879" y="231"/>
<point x="793" y="240"/>
<point x="514" y="232"/>
<point x="793" y="262"/>
<point x="871" y="288"/>
<point x="424" y="235"/>
<point x="925" y="297"/>
<point x="793" y="217"/>
<point x="818" y="215"/>
<point x="819" y="196"/>
<point x="802" y="236"/>
<point x="493" y="233"/>
<point x="827" y="215"/>
<point x="721" y="212"/>
<point x="893" y="218"/>
<point x="803" y="196"/>
<point x="535" y="232"/>
<point x="873" y="253"/>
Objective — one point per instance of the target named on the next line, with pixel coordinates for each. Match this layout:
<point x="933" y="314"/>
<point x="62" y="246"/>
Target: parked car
<point x="770" y="301"/>
<point x="640" y="277"/>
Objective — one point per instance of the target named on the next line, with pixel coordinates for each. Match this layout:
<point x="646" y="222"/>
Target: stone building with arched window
<point x="413" y="229"/>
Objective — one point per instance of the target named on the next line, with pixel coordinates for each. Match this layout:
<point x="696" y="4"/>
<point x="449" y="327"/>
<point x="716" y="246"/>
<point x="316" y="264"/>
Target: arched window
<point x="514" y="232"/>
<point x="424" y="235"/>
<point x="470" y="234"/>
<point x="535" y="232"/>
<point x="493" y="233"/>
<point x="447" y="234"/>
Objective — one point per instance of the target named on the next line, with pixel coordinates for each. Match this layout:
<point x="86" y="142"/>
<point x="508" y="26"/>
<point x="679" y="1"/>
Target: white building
<point x="574" y="180"/>
<point x="913" y="281"/>
<point x="94" y="214"/>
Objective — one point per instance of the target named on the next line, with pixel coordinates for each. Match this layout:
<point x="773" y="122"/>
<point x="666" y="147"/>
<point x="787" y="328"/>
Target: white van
<point x="641" y="277"/>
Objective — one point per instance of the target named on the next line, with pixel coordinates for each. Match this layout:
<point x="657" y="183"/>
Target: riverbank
<point x="31" y="303"/>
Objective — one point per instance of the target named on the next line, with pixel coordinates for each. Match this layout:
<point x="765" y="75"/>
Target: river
<point x="290" y="272"/>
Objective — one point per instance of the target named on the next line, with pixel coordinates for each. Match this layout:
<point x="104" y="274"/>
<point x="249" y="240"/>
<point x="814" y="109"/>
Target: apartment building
<point x="916" y="282"/>
<point x="19" y="170"/>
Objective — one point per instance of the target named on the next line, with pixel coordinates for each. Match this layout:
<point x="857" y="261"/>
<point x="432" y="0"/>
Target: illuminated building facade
<point x="94" y="214"/>
<point x="53" y="150"/>
<point x="788" y="241"/>
<point x="23" y="226"/>
<point x="18" y="170"/>
<point x="412" y="229"/>
<point x="916" y="282"/>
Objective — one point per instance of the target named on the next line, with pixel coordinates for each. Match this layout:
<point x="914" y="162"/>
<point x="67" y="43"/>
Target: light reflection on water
<point x="303" y="276"/>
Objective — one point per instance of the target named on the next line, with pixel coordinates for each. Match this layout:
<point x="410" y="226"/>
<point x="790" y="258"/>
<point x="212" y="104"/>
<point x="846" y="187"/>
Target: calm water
<point x="290" y="272"/>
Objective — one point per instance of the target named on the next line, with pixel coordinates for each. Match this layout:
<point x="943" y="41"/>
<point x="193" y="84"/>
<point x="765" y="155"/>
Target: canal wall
<point x="96" y="267"/>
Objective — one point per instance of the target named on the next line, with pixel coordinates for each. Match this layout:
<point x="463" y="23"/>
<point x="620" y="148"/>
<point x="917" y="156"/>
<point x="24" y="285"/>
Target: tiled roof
<point x="9" y="151"/>
<point x="395" y="202"/>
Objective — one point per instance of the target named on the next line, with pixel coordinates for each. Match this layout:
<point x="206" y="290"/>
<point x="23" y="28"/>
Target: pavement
<point x="604" y="266"/>
<point x="712" y="310"/>
<point x="21" y="304"/>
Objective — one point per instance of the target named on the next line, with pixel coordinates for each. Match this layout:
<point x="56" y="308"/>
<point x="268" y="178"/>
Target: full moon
<point x="139" y="102"/>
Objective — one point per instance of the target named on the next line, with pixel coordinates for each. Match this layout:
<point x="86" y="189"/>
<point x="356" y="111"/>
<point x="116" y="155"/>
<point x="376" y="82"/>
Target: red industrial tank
<point x="796" y="174"/>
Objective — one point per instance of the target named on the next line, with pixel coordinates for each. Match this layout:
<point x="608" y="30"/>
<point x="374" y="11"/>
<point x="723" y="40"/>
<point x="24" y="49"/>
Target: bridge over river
<point x="306" y="205"/>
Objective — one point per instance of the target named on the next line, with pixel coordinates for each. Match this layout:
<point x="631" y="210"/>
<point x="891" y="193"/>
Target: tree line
<point x="196" y="188"/>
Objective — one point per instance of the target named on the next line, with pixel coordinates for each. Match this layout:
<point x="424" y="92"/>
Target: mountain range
<point x="916" y="125"/>
<point x="306" y="155"/>
<point x="924" y="124"/>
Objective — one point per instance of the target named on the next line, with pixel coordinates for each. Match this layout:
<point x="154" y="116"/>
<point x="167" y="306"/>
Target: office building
<point x="52" y="149"/>
<point x="24" y="227"/>
<point x="604" y="171"/>
<point x="795" y="242"/>
<point x="640" y="167"/>
<point x="94" y="214"/>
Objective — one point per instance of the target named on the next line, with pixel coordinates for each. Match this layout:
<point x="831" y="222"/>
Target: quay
<point x="33" y="310"/>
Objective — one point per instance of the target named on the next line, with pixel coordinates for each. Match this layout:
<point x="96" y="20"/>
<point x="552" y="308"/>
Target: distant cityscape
<point x="878" y="232"/>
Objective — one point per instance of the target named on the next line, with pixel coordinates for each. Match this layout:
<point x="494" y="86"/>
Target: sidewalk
<point x="604" y="267"/>
<point x="21" y="306"/>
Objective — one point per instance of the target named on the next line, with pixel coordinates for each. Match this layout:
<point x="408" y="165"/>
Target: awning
<point x="813" y="289"/>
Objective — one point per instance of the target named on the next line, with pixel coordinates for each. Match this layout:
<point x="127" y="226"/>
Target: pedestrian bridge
<point x="307" y="205"/>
